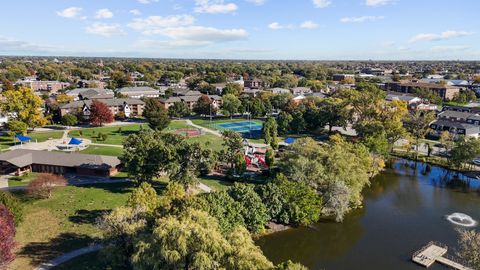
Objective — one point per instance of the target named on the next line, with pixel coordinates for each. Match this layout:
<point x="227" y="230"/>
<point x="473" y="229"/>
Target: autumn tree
<point x="144" y="197"/>
<point x="231" y="105"/>
<point x="100" y="113"/>
<point x="16" y="128"/>
<point x="233" y="147"/>
<point x="156" y="114"/>
<point x="7" y="237"/>
<point x="13" y="205"/>
<point x="232" y="89"/>
<point x="197" y="242"/>
<point x="270" y="131"/>
<point x="204" y="106"/>
<point x="417" y="124"/>
<point x="24" y="106"/>
<point x="469" y="247"/>
<point x="43" y="186"/>
<point x="179" y="110"/>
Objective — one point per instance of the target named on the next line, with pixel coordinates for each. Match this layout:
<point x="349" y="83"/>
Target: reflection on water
<point x="405" y="207"/>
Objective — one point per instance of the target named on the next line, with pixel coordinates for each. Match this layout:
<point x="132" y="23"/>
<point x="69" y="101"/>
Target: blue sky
<point x="244" y="29"/>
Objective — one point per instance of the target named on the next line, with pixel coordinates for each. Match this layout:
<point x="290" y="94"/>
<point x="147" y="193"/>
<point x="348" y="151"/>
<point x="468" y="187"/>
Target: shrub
<point x="69" y="120"/>
<point x="7" y="237"/>
<point x="44" y="184"/>
<point x="80" y="132"/>
<point x="103" y="136"/>
<point x="13" y="205"/>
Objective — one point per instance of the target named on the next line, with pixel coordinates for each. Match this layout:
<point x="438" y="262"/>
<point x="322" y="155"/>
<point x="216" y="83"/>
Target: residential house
<point x="342" y="77"/>
<point x="297" y="91"/>
<point x="446" y="92"/>
<point x="459" y="122"/>
<point x="129" y="106"/>
<point x="191" y="101"/>
<point x="254" y="83"/>
<point x="278" y="90"/>
<point x="90" y="93"/>
<point x="140" y="92"/>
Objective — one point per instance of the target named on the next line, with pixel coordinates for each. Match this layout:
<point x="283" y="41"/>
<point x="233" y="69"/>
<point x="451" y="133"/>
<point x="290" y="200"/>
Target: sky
<point x="244" y="29"/>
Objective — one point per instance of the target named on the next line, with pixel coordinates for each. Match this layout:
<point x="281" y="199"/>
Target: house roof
<point x="401" y="97"/>
<point x="23" y="157"/>
<point x="108" y="102"/>
<point x="455" y="114"/>
<point x="469" y="128"/>
<point x="136" y="90"/>
<point x="78" y="91"/>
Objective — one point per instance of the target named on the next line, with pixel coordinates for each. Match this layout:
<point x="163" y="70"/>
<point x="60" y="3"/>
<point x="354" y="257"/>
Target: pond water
<point x="404" y="209"/>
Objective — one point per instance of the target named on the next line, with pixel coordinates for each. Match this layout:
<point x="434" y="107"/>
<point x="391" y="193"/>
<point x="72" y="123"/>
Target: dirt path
<point x="211" y="131"/>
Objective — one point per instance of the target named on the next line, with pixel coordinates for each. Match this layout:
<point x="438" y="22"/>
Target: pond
<point x="404" y="209"/>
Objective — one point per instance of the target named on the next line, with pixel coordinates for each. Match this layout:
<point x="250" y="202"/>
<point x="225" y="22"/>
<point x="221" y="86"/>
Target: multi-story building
<point x="129" y="106"/>
<point x="140" y="92"/>
<point x="447" y="92"/>
<point x="44" y="86"/>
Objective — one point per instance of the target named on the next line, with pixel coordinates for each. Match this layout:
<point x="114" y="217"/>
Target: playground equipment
<point x="252" y="158"/>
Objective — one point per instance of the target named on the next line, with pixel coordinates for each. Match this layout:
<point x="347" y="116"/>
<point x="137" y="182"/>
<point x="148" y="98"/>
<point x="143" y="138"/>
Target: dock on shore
<point x="436" y="252"/>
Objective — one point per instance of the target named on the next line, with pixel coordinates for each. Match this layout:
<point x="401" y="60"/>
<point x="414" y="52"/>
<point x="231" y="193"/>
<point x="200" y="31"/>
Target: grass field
<point x="103" y="150"/>
<point x="23" y="180"/>
<point x="64" y="222"/>
<point x="115" y="135"/>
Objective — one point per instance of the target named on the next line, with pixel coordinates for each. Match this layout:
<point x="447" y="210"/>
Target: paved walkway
<point x="68" y="256"/>
<point x="211" y="131"/>
<point x="109" y="145"/>
<point x="3" y="181"/>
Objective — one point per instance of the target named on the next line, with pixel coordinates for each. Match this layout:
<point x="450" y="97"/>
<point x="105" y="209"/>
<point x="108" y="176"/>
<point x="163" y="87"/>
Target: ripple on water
<point x="461" y="219"/>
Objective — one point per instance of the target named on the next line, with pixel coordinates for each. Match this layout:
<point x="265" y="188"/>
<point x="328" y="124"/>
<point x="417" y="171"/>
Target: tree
<point x="333" y="112"/>
<point x="156" y="114"/>
<point x="204" y="106"/>
<point x="63" y="98"/>
<point x="232" y="89"/>
<point x="321" y="167"/>
<point x="231" y="105"/>
<point x="463" y="151"/>
<point x="270" y="157"/>
<point x="150" y="153"/>
<point x="270" y="131"/>
<point x="69" y="120"/>
<point x="43" y="186"/>
<point x="447" y="140"/>
<point x="233" y="147"/>
<point x="284" y="120"/>
<point x="120" y="230"/>
<point x="418" y="124"/>
<point x="16" y="127"/>
<point x="289" y="265"/>
<point x="253" y="211"/>
<point x="469" y="247"/>
<point x="24" y="106"/>
<point x="100" y="113"/>
<point x="7" y="237"/>
<point x="179" y="110"/>
<point x="224" y="208"/>
<point x="144" y="197"/>
<point x="193" y="240"/>
<point x="13" y="205"/>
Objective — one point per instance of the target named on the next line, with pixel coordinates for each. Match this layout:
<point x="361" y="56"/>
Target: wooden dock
<point x="436" y="252"/>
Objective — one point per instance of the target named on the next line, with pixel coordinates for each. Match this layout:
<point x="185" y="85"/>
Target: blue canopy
<point x="75" y="141"/>
<point x="22" y="138"/>
<point x="289" y="140"/>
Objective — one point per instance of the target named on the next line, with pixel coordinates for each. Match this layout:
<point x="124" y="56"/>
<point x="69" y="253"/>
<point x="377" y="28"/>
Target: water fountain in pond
<point x="461" y="219"/>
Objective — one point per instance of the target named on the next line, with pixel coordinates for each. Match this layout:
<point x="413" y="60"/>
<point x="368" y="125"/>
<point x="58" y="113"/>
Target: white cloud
<point x="201" y="33"/>
<point x="104" y="29"/>
<point x="104" y="13"/>
<point x="193" y="36"/>
<point x="135" y="12"/>
<point x="214" y="6"/>
<point x="152" y="23"/>
<point x="361" y="19"/>
<point x="278" y="26"/>
<point x="309" y="25"/>
<point x="376" y="3"/>
<point x="70" y="12"/>
<point x="449" y="48"/>
<point x="442" y="36"/>
<point x="8" y="44"/>
<point x="322" y="3"/>
<point x="145" y="2"/>
<point x="257" y="2"/>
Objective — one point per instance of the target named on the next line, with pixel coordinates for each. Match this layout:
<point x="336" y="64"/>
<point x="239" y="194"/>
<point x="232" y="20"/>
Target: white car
<point x="476" y="161"/>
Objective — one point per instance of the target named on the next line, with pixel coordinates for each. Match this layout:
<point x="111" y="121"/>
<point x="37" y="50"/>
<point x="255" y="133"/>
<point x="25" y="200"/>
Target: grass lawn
<point x="103" y="150"/>
<point x="216" y="184"/>
<point x="64" y="222"/>
<point x="21" y="180"/>
<point x="115" y="135"/>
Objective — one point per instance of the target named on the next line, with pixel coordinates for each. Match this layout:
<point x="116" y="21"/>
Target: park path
<point x="3" y="182"/>
<point x="68" y="256"/>
<point x="109" y="145"/>
<point x="211" y="131"/>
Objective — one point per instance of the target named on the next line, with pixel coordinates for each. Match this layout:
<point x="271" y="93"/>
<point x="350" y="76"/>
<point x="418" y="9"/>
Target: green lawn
<point x="21" y="180"/>
<point x="215" y="183"/>
<point x="115" y="135"/>
<point x="103" y="150"/>
<point x="64" y="222"/>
